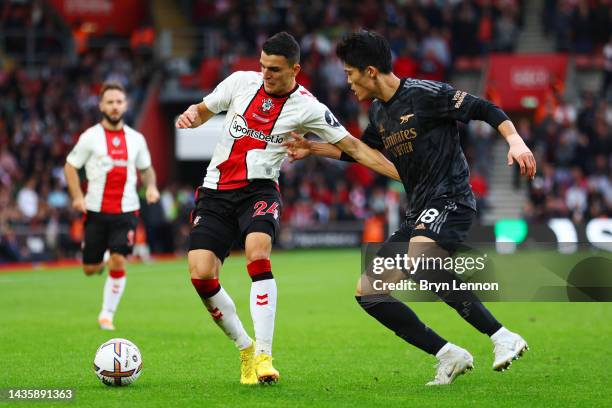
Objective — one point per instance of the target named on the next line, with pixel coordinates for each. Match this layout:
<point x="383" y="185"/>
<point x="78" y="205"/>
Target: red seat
<point x="209" y="73"/>
<point x="246" y="64"/>
<point x="405" y="67"/>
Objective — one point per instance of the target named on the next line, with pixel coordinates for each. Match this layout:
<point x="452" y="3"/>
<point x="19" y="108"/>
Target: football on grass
<point x="118" y="362"/>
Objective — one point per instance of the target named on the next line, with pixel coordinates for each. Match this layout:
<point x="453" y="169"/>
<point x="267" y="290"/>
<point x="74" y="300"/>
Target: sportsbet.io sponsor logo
<point x="239" y="129"/>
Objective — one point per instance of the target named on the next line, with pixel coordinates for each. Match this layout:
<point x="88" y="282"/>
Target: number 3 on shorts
<point x="428" y="215"/>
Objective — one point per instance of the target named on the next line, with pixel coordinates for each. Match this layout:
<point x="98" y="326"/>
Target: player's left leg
<point x="258" y="220"/>
<point x="258" y="246"/>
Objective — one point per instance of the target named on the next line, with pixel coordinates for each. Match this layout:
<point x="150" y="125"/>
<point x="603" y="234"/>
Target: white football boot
<point x="452" y="362"/>
<point x="509" y="346"/>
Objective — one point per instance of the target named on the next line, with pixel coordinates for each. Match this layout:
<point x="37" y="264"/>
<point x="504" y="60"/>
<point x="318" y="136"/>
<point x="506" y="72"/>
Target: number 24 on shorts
<point x="261" y="208"/>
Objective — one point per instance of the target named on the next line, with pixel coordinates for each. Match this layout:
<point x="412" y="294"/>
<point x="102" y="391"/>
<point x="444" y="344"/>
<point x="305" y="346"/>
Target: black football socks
<point x="399" y="318"/>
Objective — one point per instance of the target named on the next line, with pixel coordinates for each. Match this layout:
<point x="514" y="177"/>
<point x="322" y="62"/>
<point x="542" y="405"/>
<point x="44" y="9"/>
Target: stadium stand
<point x="44" y="107"/>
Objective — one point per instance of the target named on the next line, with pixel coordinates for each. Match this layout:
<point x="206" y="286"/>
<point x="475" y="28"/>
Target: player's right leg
<point x="204" y="268"/>
<point x="399" y="318"/>
<point x="95" y="242"/>
<point x="211" y="239"/>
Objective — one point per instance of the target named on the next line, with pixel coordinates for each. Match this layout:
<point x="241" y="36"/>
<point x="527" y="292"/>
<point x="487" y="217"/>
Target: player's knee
<point x="202" y="271"/>
<point x="203" y="265"/>
<point x="92" y="269"/>
<point x="258" y="246"/>
<point x="116" y="261"/>
<point x="258" y="255"/>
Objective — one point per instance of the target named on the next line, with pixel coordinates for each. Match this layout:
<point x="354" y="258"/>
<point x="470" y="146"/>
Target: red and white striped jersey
<point x="111" y="158"/>
<point x="256" y="124"/>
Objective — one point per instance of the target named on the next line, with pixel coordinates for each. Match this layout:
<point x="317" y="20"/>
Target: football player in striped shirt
<point x="113" y="154"/>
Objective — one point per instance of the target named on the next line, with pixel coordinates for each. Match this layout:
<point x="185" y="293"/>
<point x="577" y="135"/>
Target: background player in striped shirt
<point x="239" y="200"/>
<point x="111" y="152"/>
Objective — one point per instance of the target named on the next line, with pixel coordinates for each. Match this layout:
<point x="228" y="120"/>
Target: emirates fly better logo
<point x="239" y="128"/>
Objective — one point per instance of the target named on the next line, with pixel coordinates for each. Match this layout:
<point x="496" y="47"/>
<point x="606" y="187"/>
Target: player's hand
<point x="152" y="194"/>
<point x="524" y="158"/>
<point x="298" y="147"/>
<point x="79" y="204"/>
<point x="188" y="118"/>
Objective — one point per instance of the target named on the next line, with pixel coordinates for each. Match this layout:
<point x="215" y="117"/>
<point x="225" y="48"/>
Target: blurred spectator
<point x="27" y="199"/>
<point x="480" y="188"/>
<point x="583" y="28"/>
<point x="506" y="31"/>
<point x="607" y="79"/>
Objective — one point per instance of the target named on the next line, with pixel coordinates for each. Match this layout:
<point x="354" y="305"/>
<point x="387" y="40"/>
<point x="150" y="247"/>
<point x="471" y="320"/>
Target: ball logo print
<point x="118" y="362"/>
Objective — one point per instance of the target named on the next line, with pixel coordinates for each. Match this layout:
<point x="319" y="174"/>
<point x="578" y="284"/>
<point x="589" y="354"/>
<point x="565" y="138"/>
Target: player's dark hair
<point x="364" y="48"/>
<point x="283" y="44"/>
<point x="108" y="86"/>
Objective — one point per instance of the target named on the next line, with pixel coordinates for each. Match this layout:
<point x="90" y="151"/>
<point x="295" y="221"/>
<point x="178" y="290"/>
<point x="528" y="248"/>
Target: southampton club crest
<point x="266" y="105"/>
<point x="116" y="141"/>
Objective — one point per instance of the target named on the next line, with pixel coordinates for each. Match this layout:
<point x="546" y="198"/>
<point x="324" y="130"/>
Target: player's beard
<point x="112" y="121"/>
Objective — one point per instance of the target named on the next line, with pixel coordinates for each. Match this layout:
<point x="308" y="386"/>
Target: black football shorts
<point x="444" y="221"/>
<point x="223" y="217"/>
<point x="114" y="232"/>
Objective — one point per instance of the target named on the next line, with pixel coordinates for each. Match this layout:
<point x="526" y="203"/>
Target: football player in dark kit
<point x="414" y="121"/>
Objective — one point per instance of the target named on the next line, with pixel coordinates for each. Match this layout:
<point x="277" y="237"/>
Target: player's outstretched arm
<point x="148" y="178"/>
<point x="364" y="154"/>
<point x="518" y="150"/>
<point x="298" y="148"/>
<point x="74" y="187"/>
<point x="194" y="116"/>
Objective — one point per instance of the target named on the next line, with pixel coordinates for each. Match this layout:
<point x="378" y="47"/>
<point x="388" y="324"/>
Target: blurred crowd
<point x="43" y="110"/>
<point x="579" y="26"/>
<point x="29" y="27"/>
<point x="426" y="36"/>
<point x="574" y="148"/>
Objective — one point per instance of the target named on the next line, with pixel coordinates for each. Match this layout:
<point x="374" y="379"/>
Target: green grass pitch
<point x="329" y="352"/>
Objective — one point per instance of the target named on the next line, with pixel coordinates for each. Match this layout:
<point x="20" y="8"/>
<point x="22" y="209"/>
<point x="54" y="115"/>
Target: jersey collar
<point x="396" y="94"/>
<point x="280" y="96"/>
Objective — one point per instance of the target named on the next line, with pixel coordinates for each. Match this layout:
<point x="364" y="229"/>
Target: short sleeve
<point x="220" y="98"/>
<point x="320" y="121"/>
<point x="80" y="153"/>
<point x="143" y="159"/>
